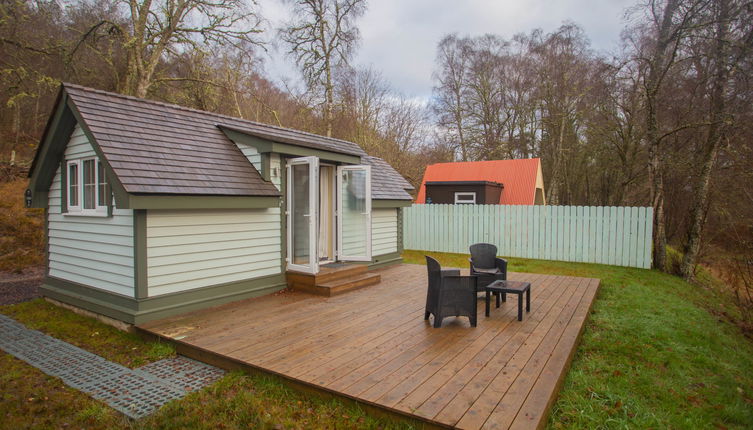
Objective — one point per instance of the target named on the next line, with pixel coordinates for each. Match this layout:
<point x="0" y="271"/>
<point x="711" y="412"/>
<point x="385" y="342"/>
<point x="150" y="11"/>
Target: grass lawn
<point x="656" y="352"/>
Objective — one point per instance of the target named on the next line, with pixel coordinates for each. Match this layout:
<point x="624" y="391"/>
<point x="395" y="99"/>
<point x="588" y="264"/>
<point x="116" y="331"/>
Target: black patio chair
<point x="486" y="266"/>
<point x="449" y="294"/>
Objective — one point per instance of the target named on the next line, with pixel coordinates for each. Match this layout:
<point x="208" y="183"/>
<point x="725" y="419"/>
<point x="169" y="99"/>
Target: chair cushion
<point x="492" y="271"/>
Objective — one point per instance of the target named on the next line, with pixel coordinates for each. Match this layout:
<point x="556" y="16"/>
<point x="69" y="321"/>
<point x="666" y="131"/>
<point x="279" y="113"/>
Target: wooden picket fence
<point x="618" y="236"/>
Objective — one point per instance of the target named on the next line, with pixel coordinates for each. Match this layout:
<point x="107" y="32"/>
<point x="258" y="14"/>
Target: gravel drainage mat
<point x="134" y="392"/>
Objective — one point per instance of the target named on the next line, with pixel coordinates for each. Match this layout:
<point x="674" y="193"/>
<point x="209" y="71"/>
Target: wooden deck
<point x="374" y="346"/>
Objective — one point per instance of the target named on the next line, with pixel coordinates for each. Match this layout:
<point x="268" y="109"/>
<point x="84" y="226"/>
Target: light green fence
<point x="618" y="236"/>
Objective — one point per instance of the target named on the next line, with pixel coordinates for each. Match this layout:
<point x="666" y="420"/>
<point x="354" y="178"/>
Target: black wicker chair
<point x="486" y="266"/>
<point x="449" y="294"/>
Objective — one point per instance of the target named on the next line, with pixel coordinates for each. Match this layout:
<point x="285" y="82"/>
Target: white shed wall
<point x="383" y="231"/>
<point x="90" y="250"/>
<point x="189" y="249"/>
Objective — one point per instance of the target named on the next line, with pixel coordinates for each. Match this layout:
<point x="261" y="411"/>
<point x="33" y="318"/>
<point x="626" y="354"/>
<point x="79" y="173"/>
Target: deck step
<point x="340" y="286"/>
<point x="326" y="274"/>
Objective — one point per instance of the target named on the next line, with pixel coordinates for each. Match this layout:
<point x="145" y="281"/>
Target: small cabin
<point x="493" y="182"/>
<point x="155" y="209"/>
<point x="463" y="192"/>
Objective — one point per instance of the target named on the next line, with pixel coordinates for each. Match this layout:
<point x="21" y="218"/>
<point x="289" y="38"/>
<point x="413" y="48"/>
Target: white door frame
<point x="313" y="215"/>
<point x="340" y="192"/>
<point x="333" y="213"/>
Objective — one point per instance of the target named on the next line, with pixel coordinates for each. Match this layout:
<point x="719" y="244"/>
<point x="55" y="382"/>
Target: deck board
<point x="373" y="345"/>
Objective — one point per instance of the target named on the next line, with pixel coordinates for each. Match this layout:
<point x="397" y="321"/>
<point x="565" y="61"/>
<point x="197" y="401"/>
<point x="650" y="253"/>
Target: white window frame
<point x="465" y="193"/>
<point x="79" y="210"/>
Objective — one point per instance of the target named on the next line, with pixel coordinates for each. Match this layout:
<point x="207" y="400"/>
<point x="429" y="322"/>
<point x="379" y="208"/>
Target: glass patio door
<point x="354" y="213"/>
<point x="302" y="213"/>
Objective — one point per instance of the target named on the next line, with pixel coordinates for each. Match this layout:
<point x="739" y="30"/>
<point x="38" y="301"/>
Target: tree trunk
<point x="713" y="142"/>
<point x="461" y="135"/>
<point x="142" y="86"/>
<point x="657" y="70"/>
<point x="656" y="179"/>
<point x="16" y="124"/>
<point x="555" y="192"/>
<point x="328" y="103"/>
<point x="328" y="86"/>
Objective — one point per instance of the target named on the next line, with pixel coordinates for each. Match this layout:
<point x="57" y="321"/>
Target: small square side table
<point x="512" y="287"/>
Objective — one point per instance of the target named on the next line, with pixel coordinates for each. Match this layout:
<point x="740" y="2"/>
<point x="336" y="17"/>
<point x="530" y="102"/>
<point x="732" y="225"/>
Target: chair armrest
<point x="460" y="282"/>
<point x="450" y="272"/>
<point x="501" y="264"/>
<point x="472" y="267"/>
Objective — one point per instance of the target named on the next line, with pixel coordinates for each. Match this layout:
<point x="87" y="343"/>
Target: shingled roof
<point x="519" y="177"/>
<point x="158" y="148"/>
<point x="386" y="183"/>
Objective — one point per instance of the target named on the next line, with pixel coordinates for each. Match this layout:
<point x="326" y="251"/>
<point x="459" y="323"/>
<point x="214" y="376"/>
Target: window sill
<point x="86" y="214"/>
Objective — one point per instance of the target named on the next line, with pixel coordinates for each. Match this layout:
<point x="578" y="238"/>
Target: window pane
<point x="355" y="219"/>
<point x="90" y="184"/>
<point x="301" y="213"/>
<point x="73" y="185"/>
<point x="101" y="185"/>
<point x="465" y="198"/>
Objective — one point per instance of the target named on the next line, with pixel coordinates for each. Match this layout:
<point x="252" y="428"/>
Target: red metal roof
<point x="517" y="176"/>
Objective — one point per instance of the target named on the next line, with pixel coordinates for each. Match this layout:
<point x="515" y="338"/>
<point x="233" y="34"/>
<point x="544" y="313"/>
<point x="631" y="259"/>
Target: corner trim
<point x="390" y="203"/>
<point x="265" y="173"/>
<point x="400" y="245"/>
<point x="140" y="267"/>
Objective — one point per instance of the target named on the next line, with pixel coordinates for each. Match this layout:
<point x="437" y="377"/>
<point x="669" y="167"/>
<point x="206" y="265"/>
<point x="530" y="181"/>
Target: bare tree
<point x="564" y="71"/>
<point x="728" y="41"/>
<point x="453" y="58"/>
<point x="487" y="109"/>
<point x="30" y="64"/>
<point x="154" y="30"/>
<point x="361" y="98"/>
<point x="670" y="24"/>
<point x="321" y="37"/>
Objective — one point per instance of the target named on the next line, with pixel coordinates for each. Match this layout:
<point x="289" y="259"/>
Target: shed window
<point x="73" y="204"/>
<point x="465" y="198"/>
<point x="90" y="184"/>
<point x="87" y="187"/>
<point x="101" y="185"/>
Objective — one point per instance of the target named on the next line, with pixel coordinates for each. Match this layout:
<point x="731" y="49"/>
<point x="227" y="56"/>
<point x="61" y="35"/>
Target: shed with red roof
<point x="504" y="182"/>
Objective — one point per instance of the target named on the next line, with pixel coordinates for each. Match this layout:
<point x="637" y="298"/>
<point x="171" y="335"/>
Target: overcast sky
<point x="399" y="37"/>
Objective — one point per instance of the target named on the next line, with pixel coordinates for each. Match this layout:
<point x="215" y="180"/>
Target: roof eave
<point x="270" y="145"/>
<point x="184" y="201"/>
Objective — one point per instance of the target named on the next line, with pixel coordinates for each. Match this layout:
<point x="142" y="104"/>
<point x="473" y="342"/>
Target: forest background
<point x="665" y="120"/>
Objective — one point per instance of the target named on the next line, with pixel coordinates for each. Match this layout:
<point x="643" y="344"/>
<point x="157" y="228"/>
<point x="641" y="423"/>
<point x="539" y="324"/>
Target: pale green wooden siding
<point x="608" y="235"/>
<point x="89" y="250"/>
<point x="383" y="231"/>
<point x="251" y="153"/>
<point x="274" y="164"/>
<point x="189" y="249"/>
